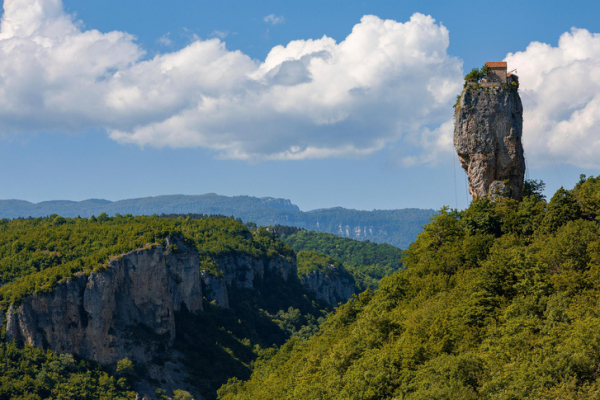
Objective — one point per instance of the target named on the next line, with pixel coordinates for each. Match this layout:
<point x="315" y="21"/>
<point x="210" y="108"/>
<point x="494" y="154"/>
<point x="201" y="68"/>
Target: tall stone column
<point x="488" y="127"/>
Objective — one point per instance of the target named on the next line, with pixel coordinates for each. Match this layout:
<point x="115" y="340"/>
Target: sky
<point x="326" y="103"/>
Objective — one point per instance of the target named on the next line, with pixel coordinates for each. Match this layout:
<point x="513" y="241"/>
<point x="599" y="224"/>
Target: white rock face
<point x="128" y="310"/>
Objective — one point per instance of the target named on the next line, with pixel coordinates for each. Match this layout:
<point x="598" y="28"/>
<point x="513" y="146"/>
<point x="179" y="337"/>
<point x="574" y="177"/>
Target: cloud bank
<point x="386" y="82"/>
<point x="560" y="89"/>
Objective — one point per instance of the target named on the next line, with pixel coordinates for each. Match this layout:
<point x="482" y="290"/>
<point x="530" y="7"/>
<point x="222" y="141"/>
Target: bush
<point x="182" y="395"/>
<point x="125" y="367"/>
<point x="476" y="75"/>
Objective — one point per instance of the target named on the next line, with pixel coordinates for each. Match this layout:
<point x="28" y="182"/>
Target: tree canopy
<point x="499" y="301"/>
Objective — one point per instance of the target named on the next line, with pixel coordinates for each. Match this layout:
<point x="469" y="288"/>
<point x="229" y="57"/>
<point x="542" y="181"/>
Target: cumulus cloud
<point x="560" y="90"/>
<point x="386" y="82"/>
<point x="274" y="19"/>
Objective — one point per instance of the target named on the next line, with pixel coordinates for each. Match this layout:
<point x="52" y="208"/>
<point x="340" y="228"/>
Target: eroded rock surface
<point x="242" y="271"/>
<point x="335" y="287"/>
<point x="126" y="311"/>
<point x="487" y="136"/>
<point x="215" y="289"/>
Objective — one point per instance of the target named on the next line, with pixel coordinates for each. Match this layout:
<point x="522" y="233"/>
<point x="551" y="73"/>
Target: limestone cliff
<point x="214" y="289"/>
<point x="243" y="271"/>
<point x="487" y="136"/>
<point x="125" y="311"/>
<point x="129" y="309"/>
<point x="334" y="286"/>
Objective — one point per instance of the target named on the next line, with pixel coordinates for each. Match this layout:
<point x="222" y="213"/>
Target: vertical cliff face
<point x="334" y="287"/>
<point x="487" y="136"/>
<point x="126" y="311"/>
<point x="242" y="271"/>
<point x="215" y="289"/>
<point x="129" y="309"/>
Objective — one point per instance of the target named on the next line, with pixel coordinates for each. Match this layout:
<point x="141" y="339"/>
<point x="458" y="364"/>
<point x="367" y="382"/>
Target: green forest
<point x="37" y="254"/>
<point x="309" y="261"/>
<point x="368" y="262"/>
<point x="397" y="227"/>
<point x="33" y="374"/>
<point x="499" y="301"/>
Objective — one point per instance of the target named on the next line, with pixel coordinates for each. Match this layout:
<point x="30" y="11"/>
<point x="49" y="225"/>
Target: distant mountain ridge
<point x="396" y="227"/>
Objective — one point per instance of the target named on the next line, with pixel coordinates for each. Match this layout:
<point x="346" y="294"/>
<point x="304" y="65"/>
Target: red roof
<point x="496" y="64"/>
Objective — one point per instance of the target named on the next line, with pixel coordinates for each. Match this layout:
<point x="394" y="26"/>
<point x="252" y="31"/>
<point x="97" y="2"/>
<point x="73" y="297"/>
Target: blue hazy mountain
<point x="396" y="227"/>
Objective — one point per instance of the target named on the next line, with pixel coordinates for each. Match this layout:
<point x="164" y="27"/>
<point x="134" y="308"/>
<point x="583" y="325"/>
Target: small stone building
<point x="497" y="71"/>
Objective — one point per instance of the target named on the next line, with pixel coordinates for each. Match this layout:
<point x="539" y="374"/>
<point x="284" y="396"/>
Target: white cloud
<point x="219" y="34"/>
<point x="274" y="19"/>
<point x="560" y="89"/>
<point x="386" y="82"/>
<point x="165" y="40"/>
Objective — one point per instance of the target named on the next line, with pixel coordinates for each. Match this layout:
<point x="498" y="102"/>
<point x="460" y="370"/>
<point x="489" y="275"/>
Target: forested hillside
<point x="214" y="345"/>
<point x="499" y="301"/>
<point x="396" y="227"/>
<point x="38" y="254"/>
<point x="35" y="254"/>
<point x="368" y="262"/>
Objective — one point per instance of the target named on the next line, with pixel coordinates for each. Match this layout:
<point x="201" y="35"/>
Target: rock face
<point x="334" y="287"/>
<point x="129" y="309"/>
<point x="126" y="311"/>
<point x="243" y="271"/>
<point x="487" y="136"/>
<point x="214" y="289"/>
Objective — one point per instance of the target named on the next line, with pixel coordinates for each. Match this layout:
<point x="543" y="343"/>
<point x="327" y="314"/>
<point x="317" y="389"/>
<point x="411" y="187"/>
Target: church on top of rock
<point x="488" y="126"/>
<point x="497" y="71"/>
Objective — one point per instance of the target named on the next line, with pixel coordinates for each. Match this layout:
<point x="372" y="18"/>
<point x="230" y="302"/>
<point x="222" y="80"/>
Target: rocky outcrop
<point x="334" y="286"/>
<point x="487" y="136"/>
<point x="125" y="311"/>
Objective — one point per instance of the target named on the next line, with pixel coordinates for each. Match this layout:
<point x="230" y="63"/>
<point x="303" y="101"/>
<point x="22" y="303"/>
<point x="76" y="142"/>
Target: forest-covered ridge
<point x="35" y="254"/>
<point x="368" y="262"/>
<point x="396" y="227"/>
<point x="38" y="253"/>
<point x="499" y="301"/>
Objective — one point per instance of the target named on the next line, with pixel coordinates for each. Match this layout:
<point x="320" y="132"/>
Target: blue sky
<point x="80" y="115"/>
